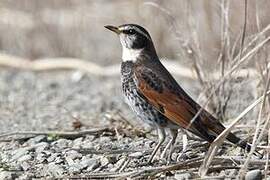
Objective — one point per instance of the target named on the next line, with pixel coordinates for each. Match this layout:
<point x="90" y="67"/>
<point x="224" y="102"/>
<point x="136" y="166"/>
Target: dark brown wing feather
<point x="170" y="99"/>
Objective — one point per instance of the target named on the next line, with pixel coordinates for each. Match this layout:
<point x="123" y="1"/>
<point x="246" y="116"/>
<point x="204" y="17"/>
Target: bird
<point x="155" y="96"/>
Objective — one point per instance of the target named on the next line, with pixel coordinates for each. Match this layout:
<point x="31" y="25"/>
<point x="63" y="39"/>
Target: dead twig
<point x="220" y="139"/>
<point x="259" y="132"/>
<point x="73" y="134"/>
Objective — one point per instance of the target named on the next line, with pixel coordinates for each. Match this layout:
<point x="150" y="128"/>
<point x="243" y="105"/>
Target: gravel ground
<point x="67" y="101"/>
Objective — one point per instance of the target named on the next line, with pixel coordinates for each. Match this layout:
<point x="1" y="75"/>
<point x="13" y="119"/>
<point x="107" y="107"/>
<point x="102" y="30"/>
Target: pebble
<point x="55" y="157"/>
<point x="73" y="154"/>
<point x="77" y="76"/>
<point x="5" y="175"/>
<point x="105" y="140"/>
<point x="69" y="160"/>
<point x="136" y="155"/>
<point x="90" y="164"/>
<point x="77" y="143"/>
<point x="25" y="166"/>
<point x="16" y="154"/>
<point x="41" y="147"/>
<point x="104" y="161"/>
<point x="36" y="140"/>
<point x="75" y="168"/>
<point x="119" y="164"/>
<point x="25" y="158"/>
<point x="54" y="170"/>
<point x="253" y="175"/>
<point x="182" y="176"/>
<point x="41" y="157"/>
<point x="61" y="143"/>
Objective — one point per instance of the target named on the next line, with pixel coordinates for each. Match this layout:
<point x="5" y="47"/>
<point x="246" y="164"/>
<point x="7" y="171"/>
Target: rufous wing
<point x="164" y="97"/>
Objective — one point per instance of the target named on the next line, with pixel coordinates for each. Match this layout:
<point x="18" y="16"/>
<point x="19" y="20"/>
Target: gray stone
<point x="53" y="157"/>
<point x="41" y="147"/>
<point x="73" y="154"/>
<point x="25" y="158"/>
<point x="54" y="170"/>
<point x="105" y="139"/>
<point x="58" y="160"/>
<point x="104" y="161"/>
<point x="75" y="168"/>
<point x="36" y="140"/>
<point x="136" y="155"/>
<point x="90" y="164"/>
<point x="16" y="154"/>
<point x="69" y="161"/>
<point x="6" y="175"/>
<point x="182" y="176"/>
<point x="61" y="143"/>
<point x="253" y="175"/>
<point x="77" y="143"/>
<point x="120" y="163"/>
<point x="77" y="76"/>
<point x="25" y="166"/>
<point x="41" y="157"/>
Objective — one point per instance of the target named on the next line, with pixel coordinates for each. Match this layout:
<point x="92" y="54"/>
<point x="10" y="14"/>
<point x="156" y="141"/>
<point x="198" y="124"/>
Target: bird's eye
<point x="129" y="31"/>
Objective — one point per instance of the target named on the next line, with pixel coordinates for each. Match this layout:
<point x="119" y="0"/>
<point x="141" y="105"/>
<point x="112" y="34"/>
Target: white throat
<point x="130" y="54"/>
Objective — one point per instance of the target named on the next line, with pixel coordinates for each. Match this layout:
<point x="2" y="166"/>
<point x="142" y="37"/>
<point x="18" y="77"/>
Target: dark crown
<point x="137" y="35"/>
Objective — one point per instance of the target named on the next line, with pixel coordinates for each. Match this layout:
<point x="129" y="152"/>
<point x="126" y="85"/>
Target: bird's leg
<point x="184" y="148"/>
<point x="161" y="139"/>
<point x="173" y="133"/>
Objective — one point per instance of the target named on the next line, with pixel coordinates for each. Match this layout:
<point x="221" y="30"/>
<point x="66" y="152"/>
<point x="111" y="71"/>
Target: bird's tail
<point x="242" y="144"/>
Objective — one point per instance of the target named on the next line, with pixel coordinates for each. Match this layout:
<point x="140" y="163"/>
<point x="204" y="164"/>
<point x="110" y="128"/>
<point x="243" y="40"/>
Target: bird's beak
<point x="113" y="28"/>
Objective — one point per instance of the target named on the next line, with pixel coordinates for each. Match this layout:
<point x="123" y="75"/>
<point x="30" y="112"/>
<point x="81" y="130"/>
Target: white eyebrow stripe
<point x="137" y="29"/>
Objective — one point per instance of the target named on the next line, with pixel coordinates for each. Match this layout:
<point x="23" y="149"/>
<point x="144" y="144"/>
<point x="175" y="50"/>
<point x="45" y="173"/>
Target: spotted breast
<point x="144" y="110"/>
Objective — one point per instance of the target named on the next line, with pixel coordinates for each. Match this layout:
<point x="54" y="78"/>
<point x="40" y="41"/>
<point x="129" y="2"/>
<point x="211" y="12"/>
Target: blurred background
<point x="202" y="36"/>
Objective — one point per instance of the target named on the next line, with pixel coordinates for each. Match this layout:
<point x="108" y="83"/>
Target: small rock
<point x="75" y="168"/>
<point x="25" y="166"/>
<point x="77" y="76"/>
<point x="104" y="161"/>
<point x="90" y="138"/>
<point x="148" y="144"/>
<point x="105" y="139"/>
<point x="73" y="154"/>
<point x="36" y="140"/>
<point x="16" y="154"/>
<point x="253" y="175"/>
<point x="183" y="176"/>
<point x="61" y="143"/>
<point x="41" y="147"/>
<point x="25" y="158"/>
<point x="55" y="157"/>
<point x="70" y="161"/>
<point x="41" y="157"/>
<point x="58" y="160"/>
<point x="55" y="170"/>
<point x="77" y="143"/>
<point x="90" y="164"/>
<point x="5" y="175"/>
<point x="118" y="164"/>
<point x="136" y="155"/>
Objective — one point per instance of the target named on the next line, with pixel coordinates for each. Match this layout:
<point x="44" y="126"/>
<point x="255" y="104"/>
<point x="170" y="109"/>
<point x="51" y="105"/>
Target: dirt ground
<point x="70" y="101"/>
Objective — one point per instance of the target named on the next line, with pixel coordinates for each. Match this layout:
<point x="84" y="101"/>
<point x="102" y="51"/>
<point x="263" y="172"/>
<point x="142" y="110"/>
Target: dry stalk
<point x="258" y="133"/>
<point x="66" y="134"/>
<point x="240" y="62"/>
<point x="220" y="139"/>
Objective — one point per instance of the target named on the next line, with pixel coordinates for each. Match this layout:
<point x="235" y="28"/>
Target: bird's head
<point x="134" y="39"/>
